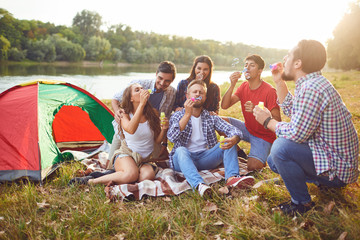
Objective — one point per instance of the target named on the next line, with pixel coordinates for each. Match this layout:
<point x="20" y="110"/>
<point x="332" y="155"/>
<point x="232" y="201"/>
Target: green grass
<point x="56" y="211"/>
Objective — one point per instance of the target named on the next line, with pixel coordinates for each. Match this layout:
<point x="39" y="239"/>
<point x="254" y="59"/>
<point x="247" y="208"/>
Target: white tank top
<point x="142" y="141"/>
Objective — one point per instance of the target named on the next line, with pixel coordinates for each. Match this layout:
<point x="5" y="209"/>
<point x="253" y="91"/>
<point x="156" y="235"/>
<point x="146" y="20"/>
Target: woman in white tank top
<point x="142" y="128"/>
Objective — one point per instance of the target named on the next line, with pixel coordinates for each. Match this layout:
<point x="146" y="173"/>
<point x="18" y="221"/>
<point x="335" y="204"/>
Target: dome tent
<point x="38" y="118"/>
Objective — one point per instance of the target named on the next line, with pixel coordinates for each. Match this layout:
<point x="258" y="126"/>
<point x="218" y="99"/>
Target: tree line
<point x="84" y="40"/>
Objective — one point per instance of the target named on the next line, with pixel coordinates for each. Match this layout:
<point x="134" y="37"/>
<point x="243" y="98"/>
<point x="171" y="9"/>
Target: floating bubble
<point x="235" y="61"/>
<point x="199" y="76"/>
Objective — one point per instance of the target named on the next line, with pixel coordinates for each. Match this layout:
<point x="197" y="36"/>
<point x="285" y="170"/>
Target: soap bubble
<point x="199" y="76"/>
<point x="235" y="61"/>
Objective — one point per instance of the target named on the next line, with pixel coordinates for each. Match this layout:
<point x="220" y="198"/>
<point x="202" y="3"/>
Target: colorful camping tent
<point x="37" y="117"/>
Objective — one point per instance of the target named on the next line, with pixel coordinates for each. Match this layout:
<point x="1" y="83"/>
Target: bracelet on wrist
<point x="266" y="122"/>
<point x="164" y="144"/>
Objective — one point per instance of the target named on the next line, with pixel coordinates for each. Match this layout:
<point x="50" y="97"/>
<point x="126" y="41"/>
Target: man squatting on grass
<point x="192" y="130"/>
<point x="320" y="143"/>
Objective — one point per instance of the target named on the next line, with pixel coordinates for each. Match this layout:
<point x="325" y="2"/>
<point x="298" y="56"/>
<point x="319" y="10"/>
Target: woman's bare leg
<point x="146" y="173"/>
<point x="126" y="171"/>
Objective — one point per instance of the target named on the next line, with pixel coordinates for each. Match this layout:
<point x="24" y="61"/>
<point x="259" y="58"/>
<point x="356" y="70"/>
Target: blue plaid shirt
<point x="210" y="123"/>
<point x="319" y="117"/>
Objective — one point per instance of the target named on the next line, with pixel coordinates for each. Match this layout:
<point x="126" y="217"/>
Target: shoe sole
<point x="244" y="183"/>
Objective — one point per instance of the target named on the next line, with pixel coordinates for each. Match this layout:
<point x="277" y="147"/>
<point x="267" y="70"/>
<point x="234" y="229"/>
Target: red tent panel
<point x="19" y="129"/>
<point x="71" y="124"/>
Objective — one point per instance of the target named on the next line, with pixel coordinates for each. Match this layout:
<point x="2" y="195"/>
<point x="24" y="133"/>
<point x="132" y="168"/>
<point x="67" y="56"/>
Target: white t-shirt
<point x="142" y="141"/>
<point x="197" y="141"/>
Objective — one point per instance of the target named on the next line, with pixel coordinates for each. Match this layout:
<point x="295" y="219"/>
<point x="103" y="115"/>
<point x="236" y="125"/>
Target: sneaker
<point x="80" y="180"/>
<point x="98" y="174"/>
<point x="241" y="182"/>
<point x="290" y="208"/>
<point x="204" y="190"/>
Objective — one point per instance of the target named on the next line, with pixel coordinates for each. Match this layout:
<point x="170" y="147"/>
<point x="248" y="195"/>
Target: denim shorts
<point x="120" y="155"/>
<point x="259" y="149"/>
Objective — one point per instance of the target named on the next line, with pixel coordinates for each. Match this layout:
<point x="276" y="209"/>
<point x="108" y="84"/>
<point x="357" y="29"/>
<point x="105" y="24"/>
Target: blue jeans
<point x="259" y="148"/>
<point x="295" y="164"/>
<point x="189" y="163"/>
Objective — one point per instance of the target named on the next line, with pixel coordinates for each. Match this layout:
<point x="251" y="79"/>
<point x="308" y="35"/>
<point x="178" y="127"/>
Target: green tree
<point x="344" y="48"/>
<point x="43" y="50"/>
<point x="66" y="50"/>
<point x="87" y="23"/>
<point x="98" y="49"/>
<point x="15" y="54"/>
<point x="116" y="36"/>
<point x="4" y="47"/>
<point x="9" y="28"/>
<point x="116" y="55"/>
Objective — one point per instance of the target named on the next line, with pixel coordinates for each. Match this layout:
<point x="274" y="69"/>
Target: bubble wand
<point x="197" y="99"/>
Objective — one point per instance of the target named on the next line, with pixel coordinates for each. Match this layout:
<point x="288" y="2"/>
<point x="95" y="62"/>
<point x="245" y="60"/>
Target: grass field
<point x="56" y="211"/>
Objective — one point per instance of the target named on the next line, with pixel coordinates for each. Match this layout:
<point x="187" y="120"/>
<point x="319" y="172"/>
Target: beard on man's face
<point x="198" y="104"/>
<point x="286" y="77"/>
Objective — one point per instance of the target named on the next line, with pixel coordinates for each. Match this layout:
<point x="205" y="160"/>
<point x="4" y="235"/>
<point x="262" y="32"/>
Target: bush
<point x="41" y="51"/>
<point x="15" y="54"/>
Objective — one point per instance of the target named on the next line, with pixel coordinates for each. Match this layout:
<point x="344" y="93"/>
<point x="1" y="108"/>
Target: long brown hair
<point x="149" y="112"/>
<point x="202" y="59"/>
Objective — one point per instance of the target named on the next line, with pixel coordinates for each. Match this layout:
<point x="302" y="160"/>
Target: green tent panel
<point x="38" y="118"/>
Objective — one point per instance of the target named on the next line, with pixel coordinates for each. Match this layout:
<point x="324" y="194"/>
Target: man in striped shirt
<point x="320" y="143"/>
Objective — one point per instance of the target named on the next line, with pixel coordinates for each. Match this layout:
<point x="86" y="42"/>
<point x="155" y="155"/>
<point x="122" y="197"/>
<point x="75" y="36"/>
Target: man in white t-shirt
<point x="192" y="130"/>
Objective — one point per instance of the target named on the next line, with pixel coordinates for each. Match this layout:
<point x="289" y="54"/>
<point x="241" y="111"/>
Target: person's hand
<point x="276" y="73"/>
<point x="249" y="106"/>
<point x="261" y="114"/>
<point x="212" y="113"/>
<point x="178" y="109"/>
<point x="229" y="142"/>
<point x="234" y="77"/>
<point x="188" y="105"/>
<point x="118" y="115"/>
<point x="164" y="123"/>
<point x="144" y="96"/>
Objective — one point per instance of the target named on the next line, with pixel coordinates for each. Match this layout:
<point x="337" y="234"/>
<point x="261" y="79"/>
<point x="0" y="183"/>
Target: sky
<point x="266" y="23"/>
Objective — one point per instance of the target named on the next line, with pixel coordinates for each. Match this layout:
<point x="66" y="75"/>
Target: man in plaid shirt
<point x="320" y="143"/>
<point x="192" y="130"/>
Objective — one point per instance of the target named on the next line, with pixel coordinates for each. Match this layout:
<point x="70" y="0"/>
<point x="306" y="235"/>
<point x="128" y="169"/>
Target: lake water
<point x="102" y="82"/>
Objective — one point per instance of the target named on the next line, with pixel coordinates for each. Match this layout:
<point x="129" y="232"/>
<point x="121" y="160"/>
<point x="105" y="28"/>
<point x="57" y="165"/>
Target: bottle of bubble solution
<point x="261" y="105"/>
<point x="162" y="116"/>
<point x="220" y="140"/>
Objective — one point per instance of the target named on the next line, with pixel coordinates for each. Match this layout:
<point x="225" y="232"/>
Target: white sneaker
<point x="204" y="190"/>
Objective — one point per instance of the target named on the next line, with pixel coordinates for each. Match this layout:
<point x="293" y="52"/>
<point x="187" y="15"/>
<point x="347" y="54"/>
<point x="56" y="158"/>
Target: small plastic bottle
<point x="261" y="105"/>
<point x="162" y="116"/>
<point x="220" y="140"/>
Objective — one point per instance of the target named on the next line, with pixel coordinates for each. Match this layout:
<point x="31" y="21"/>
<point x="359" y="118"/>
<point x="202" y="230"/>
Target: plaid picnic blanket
<point x="167" y="181"/>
